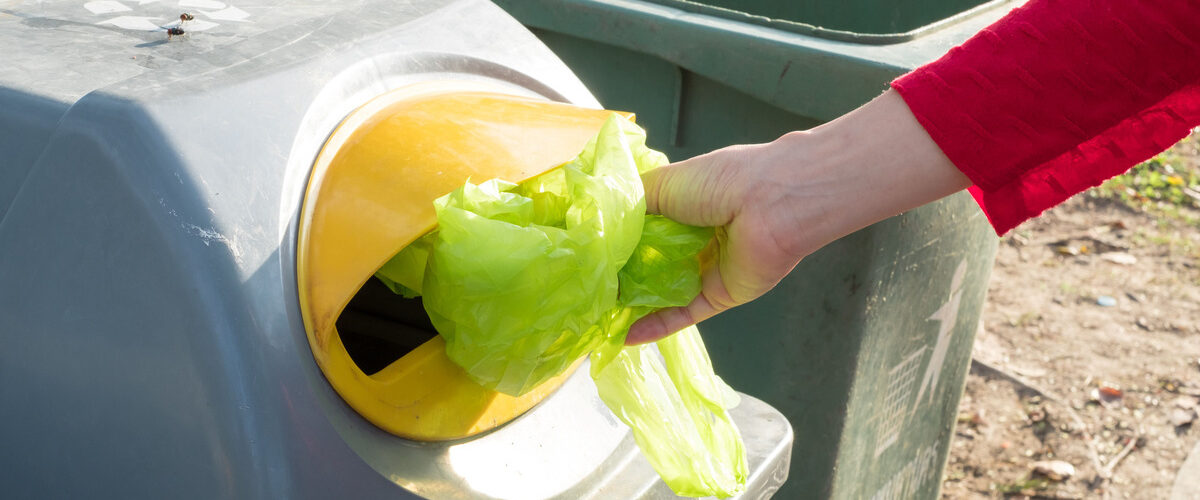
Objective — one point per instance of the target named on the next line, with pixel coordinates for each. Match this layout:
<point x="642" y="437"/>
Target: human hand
<point x="775" y="203"/>
<point x="732" y="189"/>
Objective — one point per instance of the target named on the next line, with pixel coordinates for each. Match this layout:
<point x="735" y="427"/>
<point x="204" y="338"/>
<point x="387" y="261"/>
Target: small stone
<point x="1055" y="470"/>
<point x="1180" y="417"/>
<point x="1120" y="258"/>
<point x="1068" y="250"/>
<point x="1106" y="301"/>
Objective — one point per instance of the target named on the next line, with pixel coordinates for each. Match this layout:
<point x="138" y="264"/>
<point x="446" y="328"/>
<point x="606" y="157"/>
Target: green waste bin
<point x="866" y="345"/>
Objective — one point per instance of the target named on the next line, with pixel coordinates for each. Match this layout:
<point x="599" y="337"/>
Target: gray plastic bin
<point x="149" y="196"/>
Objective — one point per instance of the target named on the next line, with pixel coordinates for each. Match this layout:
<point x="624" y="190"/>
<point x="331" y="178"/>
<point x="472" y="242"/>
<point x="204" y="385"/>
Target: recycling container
<point x="866" y="344"/>
<point x="191" y="210"/>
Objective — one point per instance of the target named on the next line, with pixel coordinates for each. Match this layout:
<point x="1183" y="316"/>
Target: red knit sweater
<point x="1059" y="96"/>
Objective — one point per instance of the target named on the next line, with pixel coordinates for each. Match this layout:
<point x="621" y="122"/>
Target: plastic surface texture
<point x="677" y="410"/>
<point x="859" y="21"/>
<point x="865" y="345"/>
<point x="150" y="197"/>
<point x="522" y="280"/>
<point x="371" y="193"/>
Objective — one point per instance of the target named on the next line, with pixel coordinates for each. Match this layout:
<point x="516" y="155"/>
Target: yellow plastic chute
<point x="371" y="193"/>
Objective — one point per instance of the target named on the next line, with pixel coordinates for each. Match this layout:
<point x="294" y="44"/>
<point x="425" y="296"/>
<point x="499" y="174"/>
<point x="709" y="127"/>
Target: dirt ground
<point x="1091" y="334"/>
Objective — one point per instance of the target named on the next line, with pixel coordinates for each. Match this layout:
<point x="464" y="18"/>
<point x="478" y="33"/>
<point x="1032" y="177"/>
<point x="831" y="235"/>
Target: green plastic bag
<point x="523" y="280"/>
<point x="678" y="414"/>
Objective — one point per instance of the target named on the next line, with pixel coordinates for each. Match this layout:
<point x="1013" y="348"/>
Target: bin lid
<point x="873" y="22"/>
<point x="371" y="193"/>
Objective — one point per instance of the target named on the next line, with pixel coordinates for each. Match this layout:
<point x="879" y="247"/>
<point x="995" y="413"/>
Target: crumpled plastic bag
<point x="523" y="280"/>
<point x="678" y="414"/>
<point x="405" y="272"/>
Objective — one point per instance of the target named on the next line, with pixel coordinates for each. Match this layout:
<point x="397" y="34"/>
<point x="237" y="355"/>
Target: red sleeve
<point x="1059" y="96"/>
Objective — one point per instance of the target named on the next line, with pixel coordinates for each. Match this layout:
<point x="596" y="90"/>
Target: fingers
<point x="699" y="191"/>
<point x="653" y="183"/>
<point x="704" y="191"/>
<point x="655" y="326"/>
<point x="663" y="323"/>
<point x="668" y="321"/>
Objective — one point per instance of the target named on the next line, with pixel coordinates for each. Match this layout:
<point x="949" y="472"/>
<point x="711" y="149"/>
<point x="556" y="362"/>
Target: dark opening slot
<point x="379" y="327"/>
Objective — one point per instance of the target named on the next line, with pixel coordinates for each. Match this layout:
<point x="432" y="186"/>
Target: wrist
<point x="804" y="191"/>
<point x="871" y="164"/>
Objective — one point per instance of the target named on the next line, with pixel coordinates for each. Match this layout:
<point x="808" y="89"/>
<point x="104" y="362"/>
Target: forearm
<point x="868" y="165"/>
